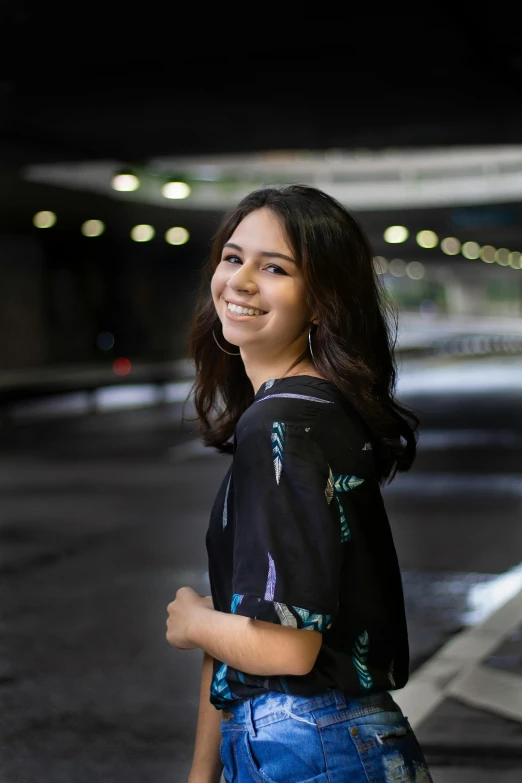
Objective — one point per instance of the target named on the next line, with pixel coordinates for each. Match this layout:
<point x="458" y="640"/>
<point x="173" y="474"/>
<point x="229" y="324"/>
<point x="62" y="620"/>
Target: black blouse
<point x="299" y="536"/>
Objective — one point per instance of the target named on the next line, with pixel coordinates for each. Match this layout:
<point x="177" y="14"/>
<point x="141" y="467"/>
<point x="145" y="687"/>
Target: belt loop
<point x="249" y="717"/>
<point x="340" y="701"/>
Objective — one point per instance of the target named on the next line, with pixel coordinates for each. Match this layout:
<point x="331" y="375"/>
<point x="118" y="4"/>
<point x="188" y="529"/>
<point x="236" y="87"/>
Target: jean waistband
<point x="242" y="714"/>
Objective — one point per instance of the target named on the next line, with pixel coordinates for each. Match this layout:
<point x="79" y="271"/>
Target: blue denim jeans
<point x="330" y="738"/>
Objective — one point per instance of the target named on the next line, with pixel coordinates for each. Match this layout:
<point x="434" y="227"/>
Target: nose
<point x="241" y="280"/>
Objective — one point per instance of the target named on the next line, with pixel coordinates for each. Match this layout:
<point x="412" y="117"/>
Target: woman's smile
<point x="232" y="316"/>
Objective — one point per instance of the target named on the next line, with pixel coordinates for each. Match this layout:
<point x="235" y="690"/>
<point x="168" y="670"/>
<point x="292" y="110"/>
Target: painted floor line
<point x="457" y="664"/>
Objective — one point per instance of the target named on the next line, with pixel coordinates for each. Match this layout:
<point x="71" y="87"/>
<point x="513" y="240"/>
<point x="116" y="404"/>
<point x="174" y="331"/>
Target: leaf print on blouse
<point x="341" y="483"/>
<point x="309" y="621"/>
<point x="225" y="504"/>
<point x="220" y="688"/>
<point x="278" y="440"/>
<point x="359" y="657"/>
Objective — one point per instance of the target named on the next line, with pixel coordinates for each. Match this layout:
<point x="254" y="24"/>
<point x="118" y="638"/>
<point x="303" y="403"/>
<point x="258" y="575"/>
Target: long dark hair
<point x="353" y="343"/>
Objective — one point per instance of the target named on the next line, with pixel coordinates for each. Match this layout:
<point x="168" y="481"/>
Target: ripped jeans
<point x="330" y="738"/>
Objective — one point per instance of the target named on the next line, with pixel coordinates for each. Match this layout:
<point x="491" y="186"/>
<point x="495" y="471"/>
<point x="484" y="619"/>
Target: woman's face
<point x="257" y="270"/>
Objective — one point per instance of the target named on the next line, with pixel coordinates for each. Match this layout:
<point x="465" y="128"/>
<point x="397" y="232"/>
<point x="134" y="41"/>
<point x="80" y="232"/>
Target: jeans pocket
<point x="285" y="751"/>
<point x="389" y="750"/>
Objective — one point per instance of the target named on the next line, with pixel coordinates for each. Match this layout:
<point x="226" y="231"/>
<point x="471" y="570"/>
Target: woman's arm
<point x="254" y="646"/>
<point x="206" y="762"/>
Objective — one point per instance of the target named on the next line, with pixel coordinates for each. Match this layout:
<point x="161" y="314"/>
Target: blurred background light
<point x="125" y="182"/>
<point x="502" y="256"/>
<point x="515" y="260"/>
<point x="92" y="228"/>
<point x="471" y="250"/>
<point x="415" y="270"/>
<point x="487" y="254"/>
<point x="105" y="341"/>
<point x="142" y="233"/>
<point x="121" y="366"/>
<point x="450" y="245"/>
<point x="176" y="190"/>
<point x="177" y="235"/>
<point x="427" y="239"/>
<point x="396" y="234"/>
<point x="397" y="267"/>
<point x="44" y="219"/>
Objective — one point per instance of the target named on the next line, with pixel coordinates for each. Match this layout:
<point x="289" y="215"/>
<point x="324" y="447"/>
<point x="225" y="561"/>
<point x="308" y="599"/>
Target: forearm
<point x="248" y="645"/>
<point x="206" y="762"/>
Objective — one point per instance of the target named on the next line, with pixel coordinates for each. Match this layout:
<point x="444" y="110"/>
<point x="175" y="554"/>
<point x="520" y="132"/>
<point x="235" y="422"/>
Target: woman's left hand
<point x="181" y="614"/>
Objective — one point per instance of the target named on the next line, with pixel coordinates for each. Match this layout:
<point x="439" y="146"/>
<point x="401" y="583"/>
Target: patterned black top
<point x="299" y="536"/>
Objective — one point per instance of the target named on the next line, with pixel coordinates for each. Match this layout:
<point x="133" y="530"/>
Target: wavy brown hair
<point x="353" y="343"/>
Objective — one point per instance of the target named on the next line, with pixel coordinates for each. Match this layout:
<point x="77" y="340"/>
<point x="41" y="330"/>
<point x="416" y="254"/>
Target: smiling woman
<point x="299" y="389"/>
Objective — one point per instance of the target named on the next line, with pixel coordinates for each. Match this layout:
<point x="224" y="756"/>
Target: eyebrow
<point x="265" y="253"/>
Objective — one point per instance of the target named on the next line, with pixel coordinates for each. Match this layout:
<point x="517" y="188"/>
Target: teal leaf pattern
<point x="312" y="621"/>
<point x="341" y="482"/>
<point x="346" y="533"/>
<point x="278" y="439"/>
<point x="220" y="688"/>
<point x="359" y="657"/>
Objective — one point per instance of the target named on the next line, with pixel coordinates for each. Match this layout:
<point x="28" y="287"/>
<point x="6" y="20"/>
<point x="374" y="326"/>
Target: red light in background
<point x="121" y="366"/>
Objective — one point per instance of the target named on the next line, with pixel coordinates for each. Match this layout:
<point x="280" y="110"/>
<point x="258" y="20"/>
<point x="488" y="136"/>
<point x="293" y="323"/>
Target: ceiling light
<point x="92" y="228"/>
<point x="451" y="246"/>
<point x="396" y="234"/>
<point x="176" y="190"/>
<point x="125" y="183"/>
<point x="177" y="235"/>
<point x="471" y="250"/>
<point x="427" y="239"/>
<point x="44" y="219"/>
<point x="487" y="254"/>
<point x="142" y="233"/>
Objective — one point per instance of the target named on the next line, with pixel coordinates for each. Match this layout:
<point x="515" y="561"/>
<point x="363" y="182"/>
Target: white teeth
<point x="243" y="310"/>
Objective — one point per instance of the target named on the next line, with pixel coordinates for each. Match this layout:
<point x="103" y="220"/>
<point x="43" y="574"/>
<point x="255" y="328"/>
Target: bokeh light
<point x="487" y="254"/>
<point x="427" y="239"/>
<point x="396" y="234"/>
<point x="121" y="366"/>
<point x="471" y="250"/>
<point x="502" y="256"/>
<point x="142" y="233"/>
<point x="125" y="183"/>
<point x="176" y="190"/>
<point x="397" y="267"/>
<point x="44" y="219"/>
<point x="177" y="235"/>
<point x="515" y="259"/>
<point x="92" y="228"/>
<point x="105" y="341"/>
<point x="450" y="245"/>
<point x="415" y="270"/>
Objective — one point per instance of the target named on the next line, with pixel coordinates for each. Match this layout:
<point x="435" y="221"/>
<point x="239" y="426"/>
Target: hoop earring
<point x="310" y="343"/>
<point x="218" y="345"/>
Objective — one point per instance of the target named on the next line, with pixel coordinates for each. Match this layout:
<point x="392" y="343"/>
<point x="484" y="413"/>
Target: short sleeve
<point x="288" y="547"/>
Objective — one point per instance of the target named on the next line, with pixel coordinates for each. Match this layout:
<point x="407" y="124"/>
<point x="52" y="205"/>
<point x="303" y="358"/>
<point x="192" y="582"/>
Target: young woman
<point x="304" y="633"/>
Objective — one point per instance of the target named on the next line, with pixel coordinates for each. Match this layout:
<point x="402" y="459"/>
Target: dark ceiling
<point x="93" y="87"/>
<point x="135" y="86"/>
